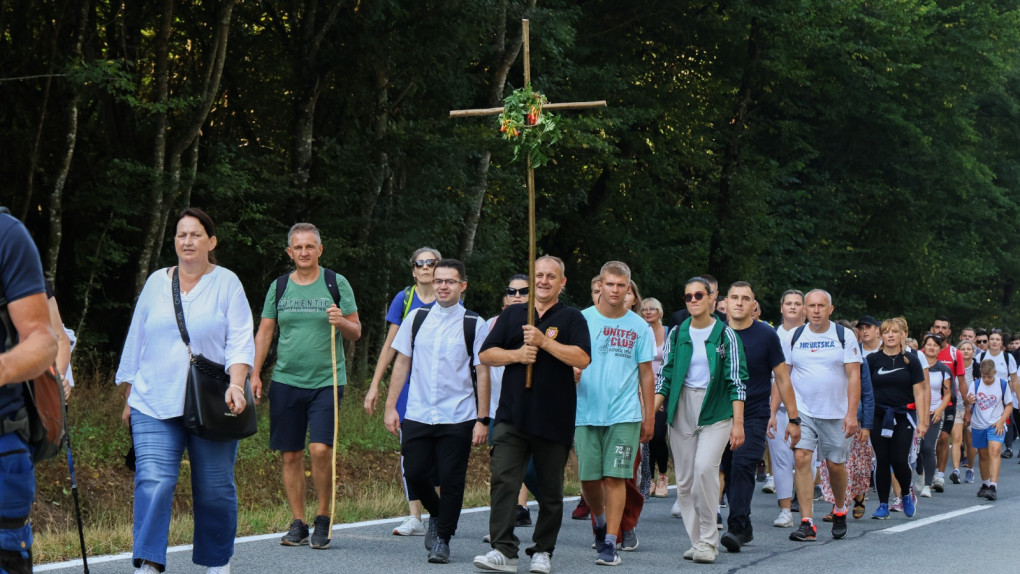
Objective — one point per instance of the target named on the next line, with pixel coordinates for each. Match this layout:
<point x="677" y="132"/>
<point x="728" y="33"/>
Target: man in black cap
<point x="868" y="333"/>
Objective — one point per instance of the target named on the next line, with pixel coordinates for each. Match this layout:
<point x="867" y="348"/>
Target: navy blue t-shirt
<point x="764" y="352"/>
<point x="20" y="276"/>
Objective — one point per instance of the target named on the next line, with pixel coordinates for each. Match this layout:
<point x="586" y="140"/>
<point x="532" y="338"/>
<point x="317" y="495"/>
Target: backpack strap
<point x="330" y="277"/>
<point x="408" y="297"/>
<point x="841" y="335"/>
<point x="416" y="322"/>
<point x="281" y="286"/>
<point x="1002" y="387"/>
<point x="470" y="323"/>
<point x="796" y="335"/>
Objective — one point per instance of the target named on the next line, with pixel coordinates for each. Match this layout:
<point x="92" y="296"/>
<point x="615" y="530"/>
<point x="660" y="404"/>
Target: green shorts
<point x="606" y="451"/>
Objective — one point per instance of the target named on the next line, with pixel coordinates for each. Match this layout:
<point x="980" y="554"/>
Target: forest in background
<point x="871" y="148"/>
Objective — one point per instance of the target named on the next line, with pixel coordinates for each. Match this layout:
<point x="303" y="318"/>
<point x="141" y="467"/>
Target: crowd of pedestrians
<point x="818" y="409"/>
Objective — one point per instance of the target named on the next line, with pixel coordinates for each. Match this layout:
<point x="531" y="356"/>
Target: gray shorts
<point x="825" y="437"/>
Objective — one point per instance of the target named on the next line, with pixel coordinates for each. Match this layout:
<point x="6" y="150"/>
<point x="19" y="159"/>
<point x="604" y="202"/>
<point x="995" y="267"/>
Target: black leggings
<point x="657" y="447"/>
<point x="892" y="452"/>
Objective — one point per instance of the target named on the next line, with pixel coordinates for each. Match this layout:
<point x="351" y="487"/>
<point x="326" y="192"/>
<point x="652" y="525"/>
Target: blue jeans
<point x="159" y="446"/>
<point x="17" y="490"/>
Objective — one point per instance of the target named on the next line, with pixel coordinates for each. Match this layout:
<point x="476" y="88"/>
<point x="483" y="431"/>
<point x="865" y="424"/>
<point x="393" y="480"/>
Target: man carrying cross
<point x="536" y="421"/>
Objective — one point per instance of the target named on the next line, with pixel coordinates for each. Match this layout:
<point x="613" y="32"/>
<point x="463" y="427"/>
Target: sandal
<point x="858" y="509"/>
<point x="828" y="518"/>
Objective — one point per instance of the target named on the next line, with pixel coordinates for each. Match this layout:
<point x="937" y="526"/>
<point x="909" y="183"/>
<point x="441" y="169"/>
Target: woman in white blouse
<point x="154" y="369"/>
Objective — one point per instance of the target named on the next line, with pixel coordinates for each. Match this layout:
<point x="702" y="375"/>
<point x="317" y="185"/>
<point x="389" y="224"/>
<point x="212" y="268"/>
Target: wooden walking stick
<point x="336" y="425"/>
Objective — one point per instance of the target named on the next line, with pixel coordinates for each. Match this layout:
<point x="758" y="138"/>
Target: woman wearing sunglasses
<point x="702" y="385"/>
<point x="421" y="294"/>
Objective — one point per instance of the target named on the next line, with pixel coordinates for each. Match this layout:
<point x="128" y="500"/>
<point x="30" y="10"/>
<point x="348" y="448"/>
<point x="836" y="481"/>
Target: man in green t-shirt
<point x="301" y="396"/>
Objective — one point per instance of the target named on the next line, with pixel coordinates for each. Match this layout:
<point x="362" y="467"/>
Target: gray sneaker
<point x="630" y="541"/>
<point x="430" y="534"/>
<point x="297" y="535"/>
<point x="320" y="535"/>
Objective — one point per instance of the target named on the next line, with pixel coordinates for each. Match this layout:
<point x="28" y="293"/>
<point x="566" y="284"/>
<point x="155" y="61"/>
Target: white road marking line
<point x="932" y="519"/>
<point x="254" y="538"/>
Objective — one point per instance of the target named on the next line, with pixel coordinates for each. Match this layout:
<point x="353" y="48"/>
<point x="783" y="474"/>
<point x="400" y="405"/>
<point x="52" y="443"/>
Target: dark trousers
<point x="511" y="450"/>
<point x="739" y="467"/>
<point x="892" y="453"/>
<point x="657" y="447"/>
<point x="635" y="502"/>
<point x="444" y="448"/>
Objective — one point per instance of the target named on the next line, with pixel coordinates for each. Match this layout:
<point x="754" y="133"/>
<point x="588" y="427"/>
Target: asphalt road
<point x="952" y="532"/>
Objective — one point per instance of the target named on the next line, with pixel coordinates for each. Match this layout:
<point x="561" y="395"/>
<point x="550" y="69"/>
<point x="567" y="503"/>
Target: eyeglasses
<point x="425" y="263"/>
<point x="695" y="296"/>
<point x="511" y="292"/>
<point x="648" y="309"/>
<point x="441" y="282"/>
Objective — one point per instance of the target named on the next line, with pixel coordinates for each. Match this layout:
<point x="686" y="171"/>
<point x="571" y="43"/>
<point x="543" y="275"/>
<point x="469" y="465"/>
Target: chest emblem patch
<point x="551" y="332"/>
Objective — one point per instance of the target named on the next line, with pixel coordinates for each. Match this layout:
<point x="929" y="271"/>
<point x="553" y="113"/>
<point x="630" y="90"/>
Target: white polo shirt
<point x="818" y="373"/>
<point x="440" y="389"/>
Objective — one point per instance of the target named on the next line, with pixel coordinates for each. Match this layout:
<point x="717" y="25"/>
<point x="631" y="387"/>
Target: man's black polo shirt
<point x="548" y="408"/>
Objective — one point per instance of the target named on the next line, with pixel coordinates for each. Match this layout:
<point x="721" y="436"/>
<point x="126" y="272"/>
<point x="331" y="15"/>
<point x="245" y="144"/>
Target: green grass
<point x="369" y="485"/>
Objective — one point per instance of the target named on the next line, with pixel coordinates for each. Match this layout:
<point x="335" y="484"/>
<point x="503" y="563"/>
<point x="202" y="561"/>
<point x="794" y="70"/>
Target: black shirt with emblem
<point x="893" y="378"/>
<point x="548" y="408"/>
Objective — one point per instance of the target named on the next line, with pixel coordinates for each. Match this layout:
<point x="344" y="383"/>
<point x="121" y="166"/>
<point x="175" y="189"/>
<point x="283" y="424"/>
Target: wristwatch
<point x="795" y="421"/>
<point x="485" y="420"/>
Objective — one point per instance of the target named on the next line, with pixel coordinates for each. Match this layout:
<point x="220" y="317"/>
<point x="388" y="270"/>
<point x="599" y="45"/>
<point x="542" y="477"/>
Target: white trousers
<point x="697" y="452"/>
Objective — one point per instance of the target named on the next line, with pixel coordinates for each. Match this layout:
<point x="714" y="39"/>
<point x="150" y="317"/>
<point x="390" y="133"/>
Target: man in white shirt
<point x="826" y="374"/>
<point x="445" y="413"/>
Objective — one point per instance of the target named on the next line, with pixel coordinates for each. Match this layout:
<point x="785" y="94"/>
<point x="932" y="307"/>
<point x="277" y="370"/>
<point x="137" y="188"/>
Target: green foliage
<point x="524" y="123"/>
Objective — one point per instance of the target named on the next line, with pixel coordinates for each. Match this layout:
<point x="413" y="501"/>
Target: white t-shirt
<point x="818" y="373"/>
<point x="1005" y="365"/>
<point x="990" y="404"/>
<point x="698" y="374"/>
<point x="495" y="379"/>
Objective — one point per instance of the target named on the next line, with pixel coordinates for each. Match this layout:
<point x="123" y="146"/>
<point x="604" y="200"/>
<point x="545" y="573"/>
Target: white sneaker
<point x="540" y="563"/>
<point x="494" y="561"/>
<point x="689" y="553"/>
<point x="770" y="485"/>
<point x="218" y="569"/>
<point x="411" y="526"/>
<point x="146" y="568"/>
<point x="676" y="509"/>
<point x="926" y="492"/>
<point x="784" y="520"/>
<point x="705" y="553"/>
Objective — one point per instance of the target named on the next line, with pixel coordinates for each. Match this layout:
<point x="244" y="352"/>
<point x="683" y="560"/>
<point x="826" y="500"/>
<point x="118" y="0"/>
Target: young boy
<point x="991" y="404"/>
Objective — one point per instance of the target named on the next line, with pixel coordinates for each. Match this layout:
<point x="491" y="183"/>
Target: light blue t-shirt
<point x="608" y="391"/>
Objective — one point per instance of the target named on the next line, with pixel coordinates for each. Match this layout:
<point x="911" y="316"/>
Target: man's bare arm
<point x="37" y="343"/>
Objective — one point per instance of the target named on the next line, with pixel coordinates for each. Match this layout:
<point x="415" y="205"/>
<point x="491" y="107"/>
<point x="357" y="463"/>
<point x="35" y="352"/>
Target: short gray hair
<point x="302" y="227"/>
<point x="823" y="292"/>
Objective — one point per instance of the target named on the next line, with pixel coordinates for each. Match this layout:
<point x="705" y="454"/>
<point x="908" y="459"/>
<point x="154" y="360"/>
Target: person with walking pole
<point x="310" y="305"/>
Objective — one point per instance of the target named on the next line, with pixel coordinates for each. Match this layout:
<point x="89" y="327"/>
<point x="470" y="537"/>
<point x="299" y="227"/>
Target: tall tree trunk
<point x="57" y="195"/>
<point x="33" y="159"/>
<point x="167" y="186"/>
<point x="504" y="60"/>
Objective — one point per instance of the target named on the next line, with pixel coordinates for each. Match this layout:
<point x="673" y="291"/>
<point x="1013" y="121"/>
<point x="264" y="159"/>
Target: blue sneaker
<point x="910" y="504"/>
<point x="608" y="556"/>
<point x="882" y="512"/>
<point x="968" y="476"/>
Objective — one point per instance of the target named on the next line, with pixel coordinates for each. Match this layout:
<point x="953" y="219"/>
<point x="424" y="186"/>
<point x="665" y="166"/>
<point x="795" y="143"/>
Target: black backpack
<point x="328" y="275"/>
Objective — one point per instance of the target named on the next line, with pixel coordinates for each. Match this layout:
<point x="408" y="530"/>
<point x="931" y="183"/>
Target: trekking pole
<point x="77" y="504"/>
<point x="336" y="425"/>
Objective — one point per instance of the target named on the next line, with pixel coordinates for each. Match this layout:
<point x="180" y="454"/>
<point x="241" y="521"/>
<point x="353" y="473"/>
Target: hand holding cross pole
<point x="531" y="170"/>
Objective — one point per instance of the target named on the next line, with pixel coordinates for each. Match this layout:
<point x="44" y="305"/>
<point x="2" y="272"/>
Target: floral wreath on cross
<point x="532" y="130"/>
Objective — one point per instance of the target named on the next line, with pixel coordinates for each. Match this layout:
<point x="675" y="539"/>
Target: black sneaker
<point x="806" y="533"/>
<point x="818" y="493"/>
<point x="431" y="535"/>
<point x="794" y="505"/>
<point x="760" y="473"/>
<point x="991" y="493"/>
<point x="1008" y="453"/>
<point x="440" y="553"/>
<point x="600" y="537"/>
<point x="297" y="535"/>
<point x="523" y="516"/>
<point x="731" y="541"/>
<point x="320" y="535"/>
<point x="982" y="491"/>
<point x="838" y="525"/>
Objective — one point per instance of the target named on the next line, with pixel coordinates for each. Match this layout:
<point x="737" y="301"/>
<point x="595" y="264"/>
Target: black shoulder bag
<point x="206" y="414"/>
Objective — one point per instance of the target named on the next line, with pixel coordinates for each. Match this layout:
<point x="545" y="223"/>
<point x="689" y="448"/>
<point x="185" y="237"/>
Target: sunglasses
<point x="982" y="341"/>
<point x="695" y="296"/>
<point x="511" y="292"/>
<point x="425" y="263"/>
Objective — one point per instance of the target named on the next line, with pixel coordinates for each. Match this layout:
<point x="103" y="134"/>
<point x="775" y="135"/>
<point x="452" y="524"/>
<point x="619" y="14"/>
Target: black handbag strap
<point x="179" y="310"/>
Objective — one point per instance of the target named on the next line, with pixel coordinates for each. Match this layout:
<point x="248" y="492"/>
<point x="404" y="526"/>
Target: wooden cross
<point x="531" y="170"/>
